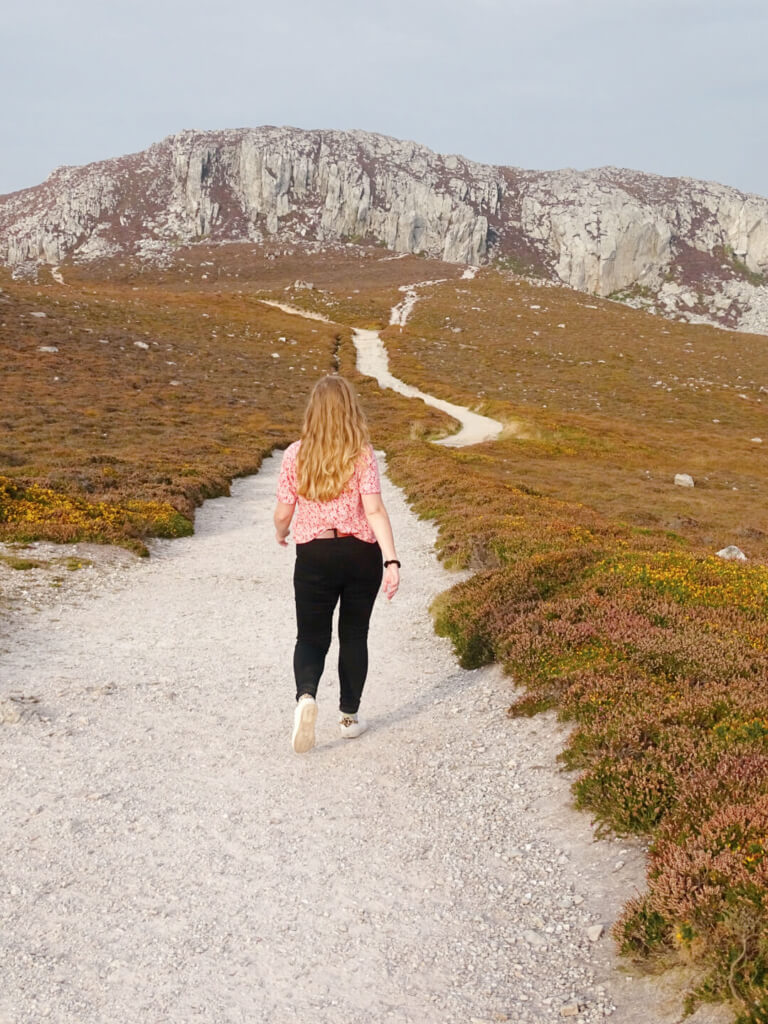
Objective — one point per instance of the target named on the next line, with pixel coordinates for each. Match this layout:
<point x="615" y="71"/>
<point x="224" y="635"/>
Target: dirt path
<point x="373" y="361"/>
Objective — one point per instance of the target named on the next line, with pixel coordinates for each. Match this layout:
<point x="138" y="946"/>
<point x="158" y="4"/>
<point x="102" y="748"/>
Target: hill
<point x="689" y="249"/>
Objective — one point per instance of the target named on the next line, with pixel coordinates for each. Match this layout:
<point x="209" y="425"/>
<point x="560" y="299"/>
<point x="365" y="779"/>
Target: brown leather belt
<point x="328" y="534"/>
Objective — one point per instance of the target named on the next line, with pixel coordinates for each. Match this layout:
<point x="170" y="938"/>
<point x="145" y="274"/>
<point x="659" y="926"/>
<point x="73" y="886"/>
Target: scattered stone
<point x="39" y="314"/>
<point x="47" y="348"/>
<point x="533" y="938"/>
<point x="732" y="554"/>
<point x="141" y="344"/>
<point x="9" y="715"/>
<point x="756" y="440"/>
<point x="594" y="932"/>
<point x="569" y="1010"/>
<point x="683" y="480"/>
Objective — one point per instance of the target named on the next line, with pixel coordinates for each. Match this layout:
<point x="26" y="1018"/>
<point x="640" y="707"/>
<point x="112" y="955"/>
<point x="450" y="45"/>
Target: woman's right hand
<point x="391" y="581"/>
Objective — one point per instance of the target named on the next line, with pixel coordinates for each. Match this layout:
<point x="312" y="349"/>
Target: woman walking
<point x="329" y="488"/>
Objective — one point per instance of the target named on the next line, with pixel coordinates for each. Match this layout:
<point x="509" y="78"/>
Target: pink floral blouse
<point x="345" y="513"/>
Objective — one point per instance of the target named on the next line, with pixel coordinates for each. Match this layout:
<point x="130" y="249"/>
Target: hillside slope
<point x="133" y="391"/>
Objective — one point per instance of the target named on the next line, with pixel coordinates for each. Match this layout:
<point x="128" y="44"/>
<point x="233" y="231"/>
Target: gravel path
<point x="167" y="857"/>
<point x="373" y="361"/>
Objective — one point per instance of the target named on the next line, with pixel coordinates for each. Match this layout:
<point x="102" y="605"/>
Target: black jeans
<point x="327" y="571"/>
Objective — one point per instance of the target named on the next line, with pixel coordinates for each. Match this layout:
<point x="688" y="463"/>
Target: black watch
<point x="392" y="561"/>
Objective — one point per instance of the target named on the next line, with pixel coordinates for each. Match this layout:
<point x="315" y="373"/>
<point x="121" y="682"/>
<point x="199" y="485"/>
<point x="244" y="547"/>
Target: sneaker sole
<point x="303" y="738"/>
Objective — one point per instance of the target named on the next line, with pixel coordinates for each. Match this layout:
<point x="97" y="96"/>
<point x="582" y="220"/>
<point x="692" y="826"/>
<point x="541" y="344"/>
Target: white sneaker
<point x="304" y="718"/>
<point x="352" y="726"/>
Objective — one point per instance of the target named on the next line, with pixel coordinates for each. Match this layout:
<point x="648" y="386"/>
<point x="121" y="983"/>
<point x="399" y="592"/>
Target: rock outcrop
<point x="676" y="245"/>
<point x="256" y="184"/>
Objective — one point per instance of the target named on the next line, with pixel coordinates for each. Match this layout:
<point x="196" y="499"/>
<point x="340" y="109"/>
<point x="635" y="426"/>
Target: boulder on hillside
<point x="732" y="554"/>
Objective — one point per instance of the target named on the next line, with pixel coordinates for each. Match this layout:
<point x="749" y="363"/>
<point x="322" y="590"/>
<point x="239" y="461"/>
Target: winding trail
<point x="373" y="361"/>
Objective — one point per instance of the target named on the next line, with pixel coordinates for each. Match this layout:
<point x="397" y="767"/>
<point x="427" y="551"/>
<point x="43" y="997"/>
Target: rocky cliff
<point x="680" y="246"/>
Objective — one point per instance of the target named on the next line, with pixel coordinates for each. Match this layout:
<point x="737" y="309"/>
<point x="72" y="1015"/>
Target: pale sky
<point x="677" y="87"/>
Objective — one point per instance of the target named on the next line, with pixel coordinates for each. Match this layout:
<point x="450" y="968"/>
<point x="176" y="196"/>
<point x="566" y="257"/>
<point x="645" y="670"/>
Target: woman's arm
<point x="376" y="514"/>
<point x="283" y="517"/>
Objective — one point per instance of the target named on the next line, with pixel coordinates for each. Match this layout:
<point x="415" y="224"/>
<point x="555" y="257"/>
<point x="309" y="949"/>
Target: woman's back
<point x="344" y="512"/>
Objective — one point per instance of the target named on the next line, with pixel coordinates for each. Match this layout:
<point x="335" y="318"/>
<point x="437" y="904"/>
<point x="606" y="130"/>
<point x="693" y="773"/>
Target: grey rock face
<point x="254" y="184"/>
<point x="610" y="229"/>
<point x="678" y="246"/>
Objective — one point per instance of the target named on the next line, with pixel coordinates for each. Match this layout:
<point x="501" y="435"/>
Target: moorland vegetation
<point x="595" y="580"/>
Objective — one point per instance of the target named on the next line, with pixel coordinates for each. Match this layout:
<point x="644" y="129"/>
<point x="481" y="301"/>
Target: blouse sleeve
<point x="369" y="472"/>
<point x="286" y="484"/>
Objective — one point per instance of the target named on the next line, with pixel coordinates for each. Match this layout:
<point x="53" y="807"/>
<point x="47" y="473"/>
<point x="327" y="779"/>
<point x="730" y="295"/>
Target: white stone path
<point x="373" y="361"/>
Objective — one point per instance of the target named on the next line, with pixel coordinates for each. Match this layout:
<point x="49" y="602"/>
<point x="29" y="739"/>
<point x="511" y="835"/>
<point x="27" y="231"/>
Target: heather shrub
<point x="459" y="614"/>
<point x="713" y="886"/>
<point x="659" y="657"/>
<point x="32" y="512"/>
<point x="704" y="582"/>
<point x="629" y="794"/>
<point x="642" y="931"/>
<point x="479" y="614"/>
<point x="736" y="776"/>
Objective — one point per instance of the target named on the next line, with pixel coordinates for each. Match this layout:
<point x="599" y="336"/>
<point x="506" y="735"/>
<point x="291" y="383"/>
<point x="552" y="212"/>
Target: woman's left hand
<point x="391" y="581"/>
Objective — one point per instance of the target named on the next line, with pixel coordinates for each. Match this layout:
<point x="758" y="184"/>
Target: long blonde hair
<point x="333" y="435"/>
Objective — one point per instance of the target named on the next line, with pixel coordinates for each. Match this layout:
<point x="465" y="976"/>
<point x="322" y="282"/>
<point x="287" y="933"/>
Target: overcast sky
<point x="678" y="87"/>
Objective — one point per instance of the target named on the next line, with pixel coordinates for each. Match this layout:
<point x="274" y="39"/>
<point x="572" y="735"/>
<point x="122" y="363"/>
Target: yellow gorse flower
<point x="32" y="509"/>
<point x="707" y="582"/>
